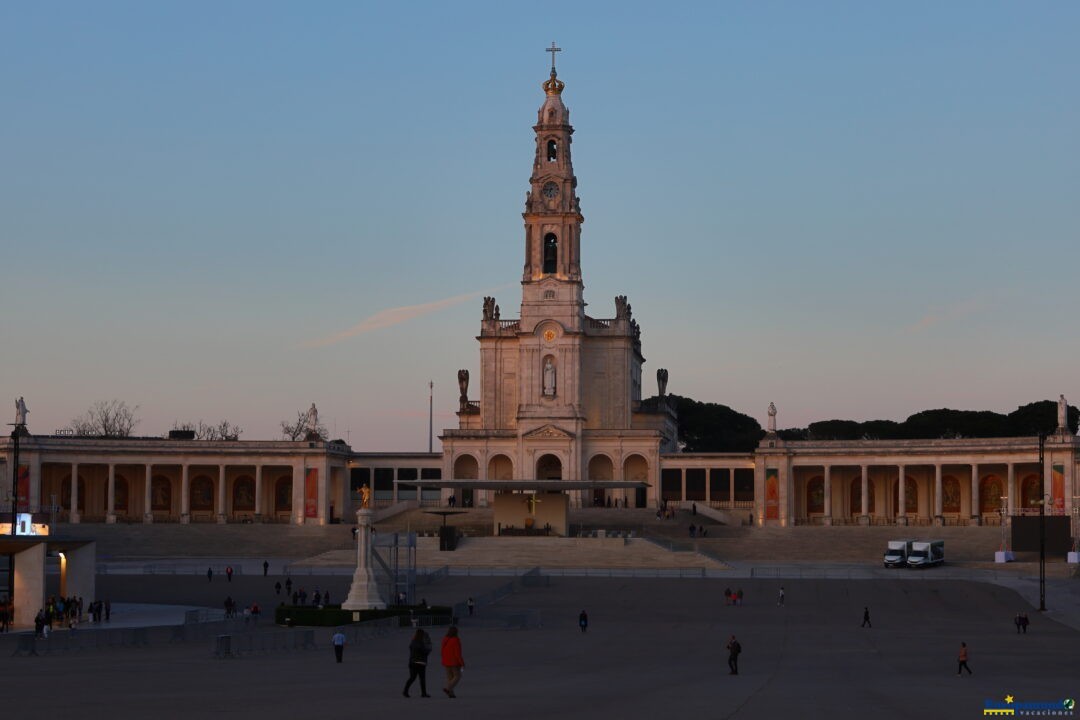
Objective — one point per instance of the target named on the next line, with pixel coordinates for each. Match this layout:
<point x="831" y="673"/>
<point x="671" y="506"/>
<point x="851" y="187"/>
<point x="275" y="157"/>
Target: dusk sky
<point x="230" y="210"/>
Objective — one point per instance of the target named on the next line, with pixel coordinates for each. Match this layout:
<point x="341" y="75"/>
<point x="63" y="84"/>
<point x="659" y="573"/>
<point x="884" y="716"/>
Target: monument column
<point x="73" y="511"/>
<point x="939" y="518"/>
<point x="828" y="494"/>
<point x="110" y="497"/>
<point x="148" y="514"/>
<point x="976" y="516"/>
<point x="258" y="493"/>
<point x="221" y="495"/>
<point x="185" y="494"/>
<point x="901" y="505"/>
<point x="864" y="518"/>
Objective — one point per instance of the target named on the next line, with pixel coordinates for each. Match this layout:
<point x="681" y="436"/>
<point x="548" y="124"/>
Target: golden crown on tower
<point x="553" y="85"/>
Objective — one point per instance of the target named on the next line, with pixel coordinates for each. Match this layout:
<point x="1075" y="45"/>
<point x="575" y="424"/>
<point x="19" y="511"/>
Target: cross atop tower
<point x="553" y="50"/>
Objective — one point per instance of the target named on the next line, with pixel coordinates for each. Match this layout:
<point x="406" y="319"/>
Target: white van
<point x="896" y="554"/>
<point x="925" y="554"/>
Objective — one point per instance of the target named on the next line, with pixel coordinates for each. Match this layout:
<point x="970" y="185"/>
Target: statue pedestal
<point x="364" y="592"/>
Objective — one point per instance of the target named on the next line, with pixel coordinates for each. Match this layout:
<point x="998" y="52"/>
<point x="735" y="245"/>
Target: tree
<point x="709" y="427"/>
<point x="300" y="429"/>
<point x="224" y="430"/>
<point x="106" y="418"/>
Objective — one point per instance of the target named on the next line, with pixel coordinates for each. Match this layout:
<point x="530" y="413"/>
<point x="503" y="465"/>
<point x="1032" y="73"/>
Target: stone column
<point x="976" y="516"/>
<point x="939" y="518"/>
<point x="221" y="495"/>
<point x="298" y="494"/>
<point x="828" y="495"/>
<point x="110" y="497"/>
<point x="731" y="488"/>
<point x="185" y="493"/>
<point x="364" y="592"/>
<point x="258" y="493"/>
<point x="73" y="515"/>
<point x="148" y="513"/>
<point x="901" y="505"/>
<point x="682" y="479"/>
<point x="33" y="503"/>
<point x="864" y="517"/>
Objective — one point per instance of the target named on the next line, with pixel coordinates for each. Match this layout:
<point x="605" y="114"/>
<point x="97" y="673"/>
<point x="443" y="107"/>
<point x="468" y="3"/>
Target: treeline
<point x="711" y="427"/>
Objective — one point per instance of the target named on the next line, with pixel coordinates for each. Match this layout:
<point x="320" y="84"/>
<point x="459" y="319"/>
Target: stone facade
<point x="560" y="392"/>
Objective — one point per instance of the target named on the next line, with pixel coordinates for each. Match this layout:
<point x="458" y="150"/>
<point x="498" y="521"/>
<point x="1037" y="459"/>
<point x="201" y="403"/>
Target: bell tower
<point x="551" y="282"/>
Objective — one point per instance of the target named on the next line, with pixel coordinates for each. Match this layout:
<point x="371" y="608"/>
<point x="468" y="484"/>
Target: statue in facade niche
<point x="495" y="315"/>
<point x="549" y="377"/>
<point x="661" y="381"/>
<point x="621" y="307"/>
<point x="772" y="418"/>
<point x="20" y="411"/>
<point x="489" y="308"/>
<point x="463" y="386"/>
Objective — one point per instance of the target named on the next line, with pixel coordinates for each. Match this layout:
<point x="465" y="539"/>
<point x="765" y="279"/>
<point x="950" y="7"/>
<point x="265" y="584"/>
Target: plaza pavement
<point x="654" y="649"/>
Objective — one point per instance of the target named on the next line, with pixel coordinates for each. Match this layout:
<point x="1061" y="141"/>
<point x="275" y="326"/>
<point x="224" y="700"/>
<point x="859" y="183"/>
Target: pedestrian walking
<point x="738" y="596"/>
<point x="277" y="588"/>
<point x="733" y="648"/>
<point x="452" y="660"/>
<point x="471" y="604"/>
<point x="727" y="596"/>
<point x="1019" y="621"/>
<point x="228" y="572"/>
<point x="1024" y="622"/>
<point x="583" y="621"/>
<point x="288" y="587"/>
<point x="780" y="600"/>
<point x="962" y="660"/>
<point x="419" y="649"/>
<point x="108" y="610"/>
<point x="266" y="567"/>
<point x="209" y="574"/>
<point x="338" y="641"/>
<point x="866" y="618"/>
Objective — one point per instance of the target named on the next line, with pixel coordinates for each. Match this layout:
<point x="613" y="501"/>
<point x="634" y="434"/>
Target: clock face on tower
<point x="551" y="190"/>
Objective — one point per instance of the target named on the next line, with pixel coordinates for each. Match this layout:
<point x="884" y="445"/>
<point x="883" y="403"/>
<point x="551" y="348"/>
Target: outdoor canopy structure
<point x="529" y="507"/>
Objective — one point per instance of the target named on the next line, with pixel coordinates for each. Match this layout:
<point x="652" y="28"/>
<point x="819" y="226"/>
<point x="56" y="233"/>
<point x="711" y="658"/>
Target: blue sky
<point x="854" y="210"/>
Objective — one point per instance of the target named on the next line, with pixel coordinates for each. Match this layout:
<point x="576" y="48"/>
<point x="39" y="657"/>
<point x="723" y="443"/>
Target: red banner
<point x="311" y="493"/>
<point x="24" y="488"/>
<point x="772" y="494"/>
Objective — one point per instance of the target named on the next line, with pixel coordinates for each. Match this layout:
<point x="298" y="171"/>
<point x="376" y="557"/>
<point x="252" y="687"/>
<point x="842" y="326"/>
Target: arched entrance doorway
<point x="466" y="468"/>
<point x="549" y="467"/>
<point x="636" y="469"/>
<point x="601" y="468"/>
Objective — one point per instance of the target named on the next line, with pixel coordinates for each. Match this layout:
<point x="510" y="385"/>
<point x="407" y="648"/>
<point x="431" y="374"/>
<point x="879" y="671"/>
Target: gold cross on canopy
<point x="531" y="500"/>
<point x="553" y="50"/>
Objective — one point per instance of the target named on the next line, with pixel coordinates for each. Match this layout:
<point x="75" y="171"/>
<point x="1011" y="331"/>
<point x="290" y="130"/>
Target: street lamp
<point x="20" y="429"/>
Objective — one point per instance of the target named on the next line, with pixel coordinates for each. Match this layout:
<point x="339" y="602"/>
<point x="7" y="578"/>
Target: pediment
<point x="548" y="432"/>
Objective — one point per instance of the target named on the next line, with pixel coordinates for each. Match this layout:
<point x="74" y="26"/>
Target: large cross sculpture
<point x="553" y="50"/>
<point x="531" y="501"/>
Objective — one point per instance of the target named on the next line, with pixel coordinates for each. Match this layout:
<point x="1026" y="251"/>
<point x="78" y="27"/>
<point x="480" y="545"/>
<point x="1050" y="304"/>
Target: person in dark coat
<point x="583" y="621"/>
<point x="1018" y="621"/>
<point x="866" y="617"/>
<point x="419" y="649"/>
<point x="733" y="648"/>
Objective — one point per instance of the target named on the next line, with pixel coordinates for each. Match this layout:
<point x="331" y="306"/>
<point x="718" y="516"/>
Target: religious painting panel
<point x="283" y="494"/>
<point x="911" y="495"/>
<point x="311" y="493"/>
<point x="815" y="496"/>
<point x="160" y="494"/>
<point x="243" y="494"/>
<point x="855" y="502"/>
<point x="990" y="494"/>
<point x="950" y="494"/>
<point x="1031" y="491"/>
<point x="1057" y="488"/>
<point x="23" y="488"/>
<point x="120" y="495"/>
<point x="65" y="494"/>
<point x="202" y="493"/>
<point x="772" y="494"/>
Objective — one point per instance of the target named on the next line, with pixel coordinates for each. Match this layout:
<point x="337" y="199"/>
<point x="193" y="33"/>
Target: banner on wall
<point x="772" y="494"/>
<point x="24" y="487"/>
<point x="1057" y="488"/>
<point x="311" y="493"/>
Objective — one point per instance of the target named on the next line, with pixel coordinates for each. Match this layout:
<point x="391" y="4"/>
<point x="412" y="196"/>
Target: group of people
<point x="733" y="597"/>
<point x="250" y="612"/>
<point x="66" y="612"/>
<point x="1021" y="622"/>
<point x="453" y="661"/>
<point x="698" y="532"/>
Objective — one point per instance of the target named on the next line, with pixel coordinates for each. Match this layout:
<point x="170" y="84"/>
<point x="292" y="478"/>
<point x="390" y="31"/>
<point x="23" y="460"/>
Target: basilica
<point x="558" y="407"/>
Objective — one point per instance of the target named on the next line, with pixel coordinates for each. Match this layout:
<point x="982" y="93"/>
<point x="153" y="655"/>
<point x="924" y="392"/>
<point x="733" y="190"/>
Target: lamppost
<point x="1042" y="524"/>
<point x="20" y="429"/>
